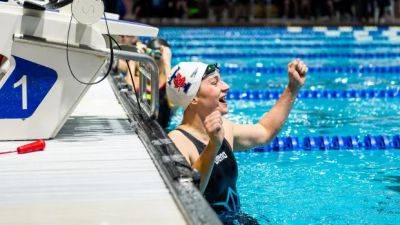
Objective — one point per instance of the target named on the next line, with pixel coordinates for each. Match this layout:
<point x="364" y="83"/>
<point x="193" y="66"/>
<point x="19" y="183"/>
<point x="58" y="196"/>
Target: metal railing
<point x="150" y="108"/>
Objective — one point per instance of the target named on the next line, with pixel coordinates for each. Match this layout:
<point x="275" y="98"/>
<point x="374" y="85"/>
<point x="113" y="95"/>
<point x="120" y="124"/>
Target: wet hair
<point x="156" y="43"/>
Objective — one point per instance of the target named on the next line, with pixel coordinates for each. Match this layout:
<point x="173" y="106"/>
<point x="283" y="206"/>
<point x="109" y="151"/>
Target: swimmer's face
<point x="212" y="94"/>
<point x="130" y="40"/>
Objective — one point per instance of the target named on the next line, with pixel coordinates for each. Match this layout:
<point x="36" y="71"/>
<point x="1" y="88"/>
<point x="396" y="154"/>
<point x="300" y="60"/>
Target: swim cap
<point x="184" y="82"/>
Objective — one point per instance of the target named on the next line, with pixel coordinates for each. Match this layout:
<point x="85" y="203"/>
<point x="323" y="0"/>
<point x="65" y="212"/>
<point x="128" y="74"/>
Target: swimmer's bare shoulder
<point x="184" y="145"/>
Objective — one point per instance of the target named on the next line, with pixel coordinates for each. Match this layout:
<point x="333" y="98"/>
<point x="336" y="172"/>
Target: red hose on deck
<point x="38" y="145"/>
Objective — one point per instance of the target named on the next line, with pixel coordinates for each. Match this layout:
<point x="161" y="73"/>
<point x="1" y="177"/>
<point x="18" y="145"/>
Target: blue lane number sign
<point x="25" y="89"/>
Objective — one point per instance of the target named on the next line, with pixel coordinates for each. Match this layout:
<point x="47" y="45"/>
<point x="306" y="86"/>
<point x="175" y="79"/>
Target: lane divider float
<point x="368" y="142"/>
<point x="291" y="55"/>
<point x="333" y="69"/>
<point x="314" y="94"/>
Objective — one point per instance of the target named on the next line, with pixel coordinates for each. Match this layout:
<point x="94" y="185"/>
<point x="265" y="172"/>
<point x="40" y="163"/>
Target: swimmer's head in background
<point x="129" y="40"/>
<point x="156" y="43"/>
<point x="184" y="81"/>
<point x="154" y="46"/>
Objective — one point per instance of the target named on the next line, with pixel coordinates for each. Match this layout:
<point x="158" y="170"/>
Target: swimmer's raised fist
<point x="213" y="124"/>
<point x="297" y="71"/>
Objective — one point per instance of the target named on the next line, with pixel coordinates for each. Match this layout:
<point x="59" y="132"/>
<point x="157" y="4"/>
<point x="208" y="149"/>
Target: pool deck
<point x="96" y="171"/>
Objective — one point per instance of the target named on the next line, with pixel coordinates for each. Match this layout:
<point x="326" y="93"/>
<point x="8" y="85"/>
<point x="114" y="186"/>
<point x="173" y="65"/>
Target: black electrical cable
<point x="130" y="73"/>
<point x="111" y="39"/>
<point x="111" y="55"/>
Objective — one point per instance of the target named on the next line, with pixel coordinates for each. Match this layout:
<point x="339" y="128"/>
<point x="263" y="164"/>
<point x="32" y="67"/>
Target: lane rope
<point x="368" y="142"/>
<point x="314" y="94"/>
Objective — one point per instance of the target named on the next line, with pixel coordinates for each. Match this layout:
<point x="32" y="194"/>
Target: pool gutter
<point x="172" y="166"/>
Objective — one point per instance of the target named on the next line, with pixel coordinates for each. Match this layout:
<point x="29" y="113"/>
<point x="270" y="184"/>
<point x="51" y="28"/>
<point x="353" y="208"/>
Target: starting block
<point x="38" y="93"/>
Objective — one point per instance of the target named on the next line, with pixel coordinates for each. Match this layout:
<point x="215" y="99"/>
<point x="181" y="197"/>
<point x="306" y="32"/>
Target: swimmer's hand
<point x="141" y="47"/>
<point x="297" y="71"/>
<point x="213" y="124"/>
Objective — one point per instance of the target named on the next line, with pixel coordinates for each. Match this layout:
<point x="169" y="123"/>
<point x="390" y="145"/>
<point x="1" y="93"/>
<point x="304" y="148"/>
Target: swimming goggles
<point x="211" y="68"/>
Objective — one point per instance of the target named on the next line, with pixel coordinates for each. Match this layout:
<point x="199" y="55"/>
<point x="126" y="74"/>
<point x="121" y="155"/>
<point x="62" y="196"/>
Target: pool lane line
<point x="318" y="143"/>
<point x="232" y="70"/>
<point x="290" y="55"/>
<point x="314" y="94"/>
<point x="278" y="37"/>
<point x="289" y="28"/>
<point x="272" y="45"/>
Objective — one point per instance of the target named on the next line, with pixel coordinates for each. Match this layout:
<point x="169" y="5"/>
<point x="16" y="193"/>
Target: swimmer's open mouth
<point x="222" y="99"/>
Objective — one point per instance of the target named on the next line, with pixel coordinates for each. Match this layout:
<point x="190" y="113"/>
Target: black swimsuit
<point x="221" y="188"/>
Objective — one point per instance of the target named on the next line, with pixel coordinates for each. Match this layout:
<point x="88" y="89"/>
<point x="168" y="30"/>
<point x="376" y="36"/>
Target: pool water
<point x="345" y="187"/>
<point x="310" y="187"/>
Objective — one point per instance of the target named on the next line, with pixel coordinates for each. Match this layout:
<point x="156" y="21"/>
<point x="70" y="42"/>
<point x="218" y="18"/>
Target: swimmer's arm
<point x="128" y="80"/>
<point x="123" y="67"/>
<point x="166" y="59"/>
<point x="203" y="163"/>
<point x="249" y="136"/>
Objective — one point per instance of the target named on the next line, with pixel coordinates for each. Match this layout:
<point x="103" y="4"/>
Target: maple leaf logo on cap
<point x="179" y="81"/>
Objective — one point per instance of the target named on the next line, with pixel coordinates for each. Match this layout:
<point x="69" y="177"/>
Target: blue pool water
<point x="310" y="187"/>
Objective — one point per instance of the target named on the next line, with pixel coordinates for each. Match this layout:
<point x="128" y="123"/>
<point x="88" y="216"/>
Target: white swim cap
<point x="184" y="82"/>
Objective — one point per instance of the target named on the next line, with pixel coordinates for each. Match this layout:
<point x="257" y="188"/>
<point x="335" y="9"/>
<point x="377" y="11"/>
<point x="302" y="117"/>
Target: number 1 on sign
<point x="22" y="82"/>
